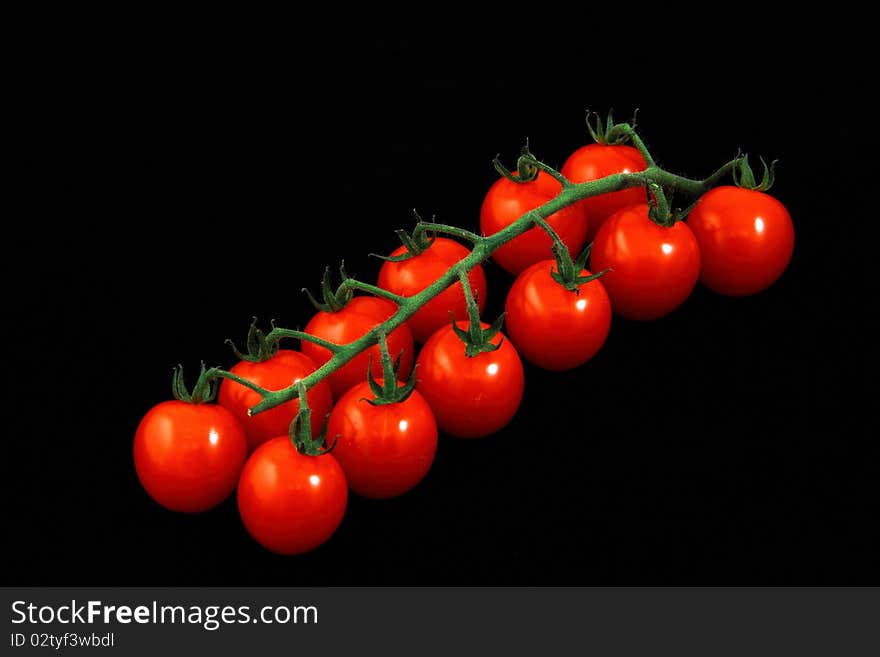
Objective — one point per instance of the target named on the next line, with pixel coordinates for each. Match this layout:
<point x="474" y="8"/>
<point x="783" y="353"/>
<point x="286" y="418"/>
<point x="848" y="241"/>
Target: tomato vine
<point x="653" y="178"/>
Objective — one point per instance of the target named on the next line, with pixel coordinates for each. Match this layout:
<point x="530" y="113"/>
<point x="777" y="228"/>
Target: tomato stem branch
<point x="461" y="233"/>
<point x="216" y="372"/>
<point x="277" y="334"/>
<point x="377" y="291"/>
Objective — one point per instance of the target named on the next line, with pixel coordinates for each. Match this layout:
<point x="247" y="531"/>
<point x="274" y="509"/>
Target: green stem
<point x="552" y="233"/>
<point x="461" y="233"/>
<point x="216" y="372"/>
<point x="277" y="334"/>
<point x="470" y="302"/>
<point x="636" y="141"/>
<point x="377" y="291"/>
<point x="550" y="171"/>
<point x="483" y="248"/>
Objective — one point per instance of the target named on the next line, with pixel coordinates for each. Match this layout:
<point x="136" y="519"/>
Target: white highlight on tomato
<point x="402" y="425"/>
<point x="314" y="480"/>
<point x="759" y="224"/>
<point x="492" y="369"/>
<point x="213" y="437"/>
<point x="667" y="248"/>
<point x="581" y="304"/>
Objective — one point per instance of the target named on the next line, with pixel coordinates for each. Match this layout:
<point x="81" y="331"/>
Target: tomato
<point x="470" y="397"/>
<point x="595" y="161"/>
<point x="280" y="371"/>
<point x="414" y="274"/>
<point x="653" y="269"/>
<point x="507" y="201"/>
<point x="384" y="450"/>
<point x="746" y="239"/>
<point x="291" y="503"/>
<point x="553" y="327"/>
<point x="188" y="456"/>
<point x="355" y="320"/>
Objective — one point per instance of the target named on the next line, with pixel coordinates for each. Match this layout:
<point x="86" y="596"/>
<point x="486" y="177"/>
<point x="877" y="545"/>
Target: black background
<point x="173" y="191"/>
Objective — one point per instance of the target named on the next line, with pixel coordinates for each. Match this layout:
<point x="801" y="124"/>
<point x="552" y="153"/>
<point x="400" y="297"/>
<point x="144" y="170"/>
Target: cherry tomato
<point x="654" y="269"/>
<point x="507" y="201"/>
<point x="355" y="320"/>
<point x="291" y="503"/>
<point x="553" y="327"/>
<point x="470" y="397"/>
<point x="595" y="161"/>
<point x="384" y="450"/>
<point x="283" y="369"/>
<point x="414" y="274"/>
<point x="746" y="239"/>
<point x="188" y="456"/>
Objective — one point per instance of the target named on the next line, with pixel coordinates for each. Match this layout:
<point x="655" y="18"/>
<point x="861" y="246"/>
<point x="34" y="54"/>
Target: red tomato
<point x="746" y="239"/>
<point x="470" y="397"/>
<point x="283" y="369"/>
<point x="552" y="327"/>
<point x="653" y="269"/>
<point x="355" y="320"/>
<point x="596" y="161"/>
<point x="384" y="450"/>
<point x="188" y="456"/>
<point x="507" y="201"/>
<point x="291" y="503"/>
<point x="413" y="275"/>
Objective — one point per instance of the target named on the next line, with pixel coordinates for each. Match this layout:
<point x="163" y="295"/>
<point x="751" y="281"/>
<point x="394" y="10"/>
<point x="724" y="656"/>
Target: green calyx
<point x="568" y="271"/>
<point x="526" y="172"/>
<point x="203" y="391"/>
<point x="334" y="300"/>
<point x="415" y="244"/>
<point x="744" y="177"/>
<point x="478" y="340"/>
<point x="259" y="349"/>
<point x="301" y="429"/>
<point x="389" y="391"/>
<point x="610" y="134"/>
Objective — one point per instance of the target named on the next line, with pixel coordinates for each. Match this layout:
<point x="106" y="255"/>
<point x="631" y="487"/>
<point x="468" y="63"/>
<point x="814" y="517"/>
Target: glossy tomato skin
<point x="283" y="369"/>
<point x="746" y="240"/>
<point x="355" y="320"/>
<point x="470" y="397"/>
<point x="291" y="503"/>
<point x="507" y="201"/>
<point x="384" y="450"/>
<point x="654" y="269"/>
<point x="552" y="327"/>
<point x="188" y="456"/>
<point x="595" y="161"/>
<point x="413" y="275"/>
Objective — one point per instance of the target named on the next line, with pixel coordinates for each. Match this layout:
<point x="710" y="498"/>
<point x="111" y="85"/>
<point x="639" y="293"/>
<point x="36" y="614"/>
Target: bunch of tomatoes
<point x="381" y="421"/>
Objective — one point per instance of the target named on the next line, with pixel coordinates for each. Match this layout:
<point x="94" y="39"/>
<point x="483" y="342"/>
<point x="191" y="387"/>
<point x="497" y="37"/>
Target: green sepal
<point x="301" y="429"/>
<point x="334" y="301"/>
<point x="568" y="273"/>
<point x="205" y="389"/>
<point x="526" y="171"/>
<point x="389" y="392"/>
<point x="478" y="340"/>
<point x="744" y="176"/>
<point x="374" y="385"/>
<point x="415" y="244"/>
<point x="258" y="348"/>
<point x="611" y="134"/>
<point x="494" y="329"/>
